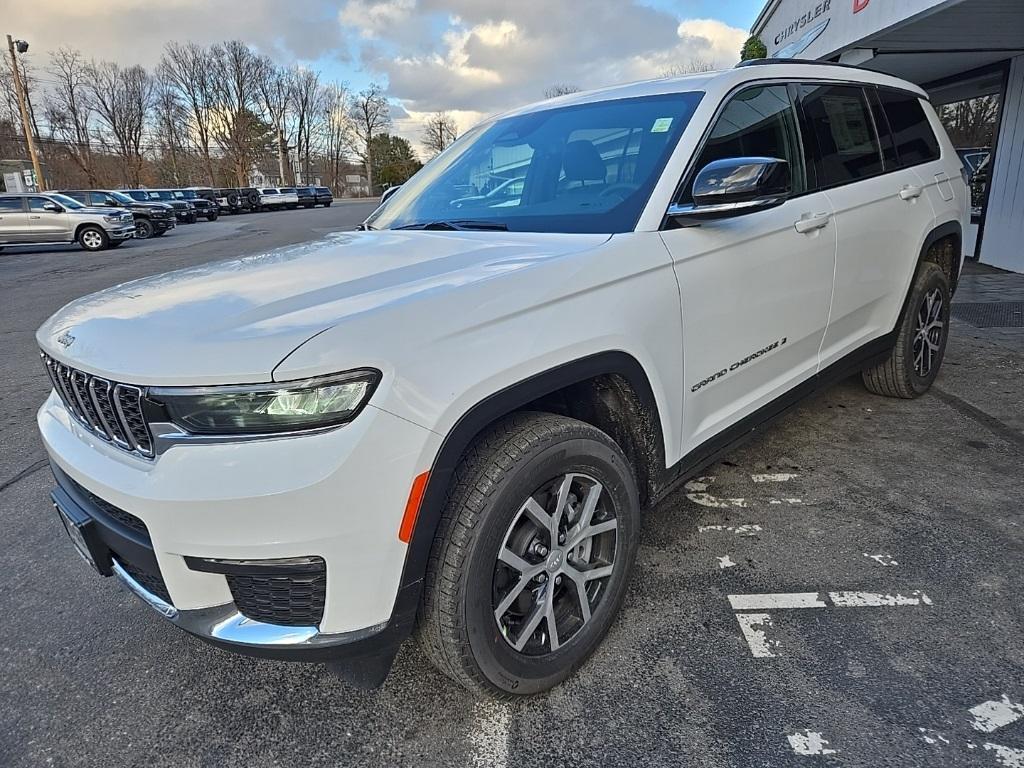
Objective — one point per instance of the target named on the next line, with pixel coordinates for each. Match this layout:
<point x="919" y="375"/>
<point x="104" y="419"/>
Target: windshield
<point x="121" y="198"/>
<point x="187" y="194"/>
<point x="581" y="168"/>
<point x="67" y="202"/>
<point x="161" y="195"/>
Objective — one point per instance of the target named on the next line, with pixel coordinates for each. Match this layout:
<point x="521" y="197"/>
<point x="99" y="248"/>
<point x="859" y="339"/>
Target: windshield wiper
<point x="459" y="225"/>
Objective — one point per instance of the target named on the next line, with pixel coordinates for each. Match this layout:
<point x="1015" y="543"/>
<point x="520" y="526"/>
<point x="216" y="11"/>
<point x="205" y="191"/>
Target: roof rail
<point x="764" y="62"/>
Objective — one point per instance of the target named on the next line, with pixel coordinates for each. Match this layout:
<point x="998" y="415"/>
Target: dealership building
<point x="967" y="54"/>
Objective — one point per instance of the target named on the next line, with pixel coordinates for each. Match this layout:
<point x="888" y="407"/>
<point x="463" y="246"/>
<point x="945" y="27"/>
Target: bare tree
<point x="275" y="93"/>
<point x="439" y="131"/>
<point x="170" y="121"/>
<point x="306" y="98"/>
<point x="336" y="130"/>
<point x="693" y="66"/>
<point x="236" y="126"/>
<point x="123" y="97"/>
<point x="370" y="115"/>
<point x="560" y="89"/>
<point x="971" y="122"/>
<point x="69" y="110"/>
<point x="187" y="68"/>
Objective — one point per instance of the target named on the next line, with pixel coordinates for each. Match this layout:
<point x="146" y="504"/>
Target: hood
<point x="101" y="210"/>
<point x="232" y="322"/>
<point x="136" y="205"/>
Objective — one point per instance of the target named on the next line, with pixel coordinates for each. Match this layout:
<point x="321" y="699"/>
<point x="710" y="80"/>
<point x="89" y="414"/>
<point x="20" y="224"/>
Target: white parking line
<point x="752" y="626"/>
<point x="725" y="562"/>
<point x="739" y="530"/>
<point x="881" y="559"/>
<point x="489" y="737"/>
<point x="780" y="477"/>
<point x="809" y="743"/>
<point x="1006" y="756"/>
<point x="876" y="599"/>
<point x="990" y="715"/>
<point x="776" y="601"/>
<point x="697" y="493"/>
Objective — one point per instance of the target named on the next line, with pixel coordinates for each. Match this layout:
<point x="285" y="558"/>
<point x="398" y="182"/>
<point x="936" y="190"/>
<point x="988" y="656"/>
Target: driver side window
<point x="757" y="122"/>
<point x="37" y="204"/>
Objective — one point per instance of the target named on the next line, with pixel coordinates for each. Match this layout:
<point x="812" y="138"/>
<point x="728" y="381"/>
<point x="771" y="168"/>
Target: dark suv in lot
<point x="307" y="196"/>
<point x="206" y="208"/>
<point x="151" y="219"/>
<point x="324" y="196"/>
<point x="184" y="211"/>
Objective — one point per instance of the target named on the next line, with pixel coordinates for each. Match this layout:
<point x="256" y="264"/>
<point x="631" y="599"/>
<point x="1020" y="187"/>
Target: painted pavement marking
<point x="809" y="743"/>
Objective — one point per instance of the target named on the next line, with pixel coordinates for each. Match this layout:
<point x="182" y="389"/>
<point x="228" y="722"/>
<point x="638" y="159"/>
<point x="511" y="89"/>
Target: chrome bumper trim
<point x="226" y="624"/>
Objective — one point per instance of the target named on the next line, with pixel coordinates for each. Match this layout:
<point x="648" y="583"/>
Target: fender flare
<point x="476" y="419"/>
<point x="937" y="233"/>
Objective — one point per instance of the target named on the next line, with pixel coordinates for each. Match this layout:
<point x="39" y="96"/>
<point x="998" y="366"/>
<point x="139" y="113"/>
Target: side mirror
<point x="52" y="207"/>
<point x="735" y="186"/>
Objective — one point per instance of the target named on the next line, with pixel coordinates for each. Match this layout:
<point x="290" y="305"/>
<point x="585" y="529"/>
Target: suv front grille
<point x="293" y="599"/>
<point x="109" y="410"/>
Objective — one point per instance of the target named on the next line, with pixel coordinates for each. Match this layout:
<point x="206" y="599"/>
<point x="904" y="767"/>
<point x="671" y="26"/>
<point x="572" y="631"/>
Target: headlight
<point x="268" y="408"/>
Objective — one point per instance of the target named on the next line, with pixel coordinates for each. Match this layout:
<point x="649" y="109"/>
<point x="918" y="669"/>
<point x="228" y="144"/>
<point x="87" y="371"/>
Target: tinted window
<point x="10" y="204"/>
<point x="841" y="122"/>
<point x="759" y="122"/>
<point x="584" y="168"/>
<point x="35" y="204"/>
<point x="101" y="198"/>
<point x="915" y="141"/>
<point x="82" y="197"/>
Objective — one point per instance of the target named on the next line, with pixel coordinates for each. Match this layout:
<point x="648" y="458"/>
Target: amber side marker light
<point x="412" y="507"/>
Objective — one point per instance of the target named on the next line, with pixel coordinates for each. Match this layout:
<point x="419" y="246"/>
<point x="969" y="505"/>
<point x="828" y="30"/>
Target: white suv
<point x="449" y="423"/>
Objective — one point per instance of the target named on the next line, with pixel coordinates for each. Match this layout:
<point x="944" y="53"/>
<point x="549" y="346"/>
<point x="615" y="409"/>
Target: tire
<point x="233" y="200"/>
<point x="254" y="200"/>
<point x="212" y="217"/>
<point x="915" y="359"/>
<point x="143" y="229"/>
<point x="527" y="455"/>
<point x="327" y="205"/>
<point x="93" y="239"/>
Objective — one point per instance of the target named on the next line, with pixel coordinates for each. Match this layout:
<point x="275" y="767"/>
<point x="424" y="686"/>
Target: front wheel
<point x="921" y="338"/>
<point x="93" y="239"/>
<point x="143" y="229"/>
<point x="212" y="217"/>
<point x="532" y="557"/>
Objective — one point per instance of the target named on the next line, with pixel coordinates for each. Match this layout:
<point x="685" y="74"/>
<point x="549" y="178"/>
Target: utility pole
<point x="19" y="88"/>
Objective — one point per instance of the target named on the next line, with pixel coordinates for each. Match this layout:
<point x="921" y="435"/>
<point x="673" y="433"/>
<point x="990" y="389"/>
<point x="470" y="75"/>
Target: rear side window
<point x="10" y="205"/>
<point x="915" y="140"/>
<point x="758" y="122"/>
<point x="840" y="120"/>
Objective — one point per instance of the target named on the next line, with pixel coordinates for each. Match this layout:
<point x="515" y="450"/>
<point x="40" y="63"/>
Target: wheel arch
<point x="944" y="246"/>
<point x="87" y="225"/>
<point x="610" y="390"/>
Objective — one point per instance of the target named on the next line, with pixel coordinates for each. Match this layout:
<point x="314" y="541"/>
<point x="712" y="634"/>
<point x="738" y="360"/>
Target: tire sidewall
<point x="928" y="281"/>
<point x="498" y="662"/>
<point x="146" y="227"/>
<point x="104" y="240"/>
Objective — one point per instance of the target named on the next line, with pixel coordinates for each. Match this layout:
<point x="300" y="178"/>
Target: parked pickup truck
<point x="451" y="423"/>
<point x="50" y="218"/>
<point x="184" y="211"/>
<point x="272" y="198"/>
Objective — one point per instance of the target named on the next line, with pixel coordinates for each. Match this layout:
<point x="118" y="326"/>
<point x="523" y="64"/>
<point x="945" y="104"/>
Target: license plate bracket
<point x="81" y="533"/>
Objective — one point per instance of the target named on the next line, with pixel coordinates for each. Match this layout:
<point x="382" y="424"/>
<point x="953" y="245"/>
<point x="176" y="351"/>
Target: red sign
<point x="860" y="5"/>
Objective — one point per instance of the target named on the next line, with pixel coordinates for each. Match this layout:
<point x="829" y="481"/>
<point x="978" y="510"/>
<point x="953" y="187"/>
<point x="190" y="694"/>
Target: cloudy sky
<point x="471" y="57"/>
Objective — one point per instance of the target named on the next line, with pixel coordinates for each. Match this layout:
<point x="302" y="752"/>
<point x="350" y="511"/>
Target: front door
<point x="755" y="289"/>
<point x="47" y="226"/>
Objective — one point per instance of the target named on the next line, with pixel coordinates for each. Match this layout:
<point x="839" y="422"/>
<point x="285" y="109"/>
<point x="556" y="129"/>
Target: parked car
<point x="184" y="211"/>
<point x="451" y="423"/>
<point x="205" y="208"/>
<point x="324" y="196"/>
<point x="274" y="199"/>
<point x="151" y="219"/>
<point x="249" y="198"/>
<point x="50" y="218"/>
<point x="306" y="196"/>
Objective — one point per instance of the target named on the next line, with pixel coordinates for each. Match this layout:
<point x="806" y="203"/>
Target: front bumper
<point x="314" y="495"/>
<point x="164" y="225"/>
<point x="122" y="232"/>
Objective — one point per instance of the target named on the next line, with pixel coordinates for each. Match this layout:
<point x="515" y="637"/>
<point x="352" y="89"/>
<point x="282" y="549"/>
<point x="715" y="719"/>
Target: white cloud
<point x="373" y="17"/>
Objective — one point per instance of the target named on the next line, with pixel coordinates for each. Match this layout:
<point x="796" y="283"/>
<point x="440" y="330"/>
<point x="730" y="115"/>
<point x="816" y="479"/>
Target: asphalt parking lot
<point x="845" y="589"/>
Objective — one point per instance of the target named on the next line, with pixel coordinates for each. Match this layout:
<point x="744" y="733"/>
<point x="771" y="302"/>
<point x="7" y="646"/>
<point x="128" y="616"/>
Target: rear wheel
<point x="532" y="557"/>
<point x="920" y="345"/>
<point x="93" y="239"/>
<point x="212" y="216"/>
<point x="143" y="229"/>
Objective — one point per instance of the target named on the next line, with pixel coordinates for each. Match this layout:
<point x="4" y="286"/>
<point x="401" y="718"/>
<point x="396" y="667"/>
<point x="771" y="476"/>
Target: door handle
<point x="810" y="222"/>
<point x="910" y="192"/>
<point x="35" y="217"/>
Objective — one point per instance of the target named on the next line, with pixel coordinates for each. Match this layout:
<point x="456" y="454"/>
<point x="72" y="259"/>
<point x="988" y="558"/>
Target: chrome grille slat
<point x="107" y="409"/>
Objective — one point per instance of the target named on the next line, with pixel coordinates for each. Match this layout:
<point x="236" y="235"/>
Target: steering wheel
<point x="622" y="190"/>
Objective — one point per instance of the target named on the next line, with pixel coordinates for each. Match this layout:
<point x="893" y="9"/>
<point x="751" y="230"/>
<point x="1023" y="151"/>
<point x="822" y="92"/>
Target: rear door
<point x="755" y="289"/>
<point x="15" y="226"/>
<point x="880" y="214"/>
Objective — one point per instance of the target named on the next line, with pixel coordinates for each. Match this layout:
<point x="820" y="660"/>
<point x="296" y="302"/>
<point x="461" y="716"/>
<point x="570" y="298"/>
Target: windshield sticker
<point x="738" y="364"/>
<point x="661" y="125"/>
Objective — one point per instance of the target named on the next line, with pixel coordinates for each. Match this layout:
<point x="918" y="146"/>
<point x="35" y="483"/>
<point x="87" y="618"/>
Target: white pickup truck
<point x="272" y="198"/>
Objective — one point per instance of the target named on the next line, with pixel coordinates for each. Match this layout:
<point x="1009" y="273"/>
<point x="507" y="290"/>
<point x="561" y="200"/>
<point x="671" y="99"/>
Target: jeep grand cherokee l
<point x="448" y="424"/>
